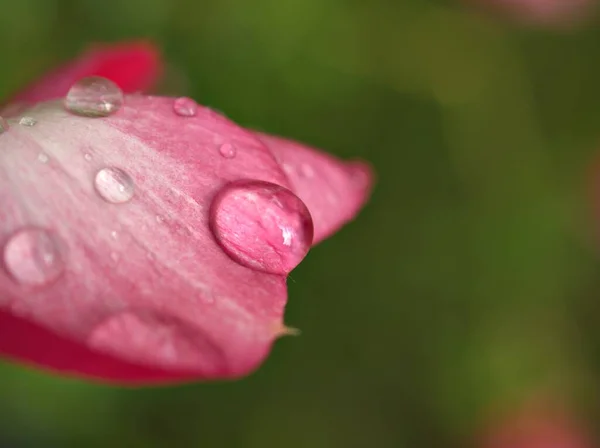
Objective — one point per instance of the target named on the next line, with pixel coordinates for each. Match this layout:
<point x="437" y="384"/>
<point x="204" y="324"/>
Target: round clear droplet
<point x="262" y="225"/>
<point x="227" y="150"/>
<point x="114" y="185"/>
<point x="32" y="257"/>
<point x="94" y="97"/>
<point x="185" y="107"/>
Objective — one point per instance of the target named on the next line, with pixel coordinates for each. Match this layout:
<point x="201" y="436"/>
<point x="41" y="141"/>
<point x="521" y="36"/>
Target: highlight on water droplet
<point x="227" y="150"/>
<point x="27" y="121"/>
<point x="32" y="256"/>
<point x="262" y="225"/>
<point x="94" y="96"/>
<point x="114" y="185"/>
<point x="87" y="156"/>
<point x="185" y="107"/>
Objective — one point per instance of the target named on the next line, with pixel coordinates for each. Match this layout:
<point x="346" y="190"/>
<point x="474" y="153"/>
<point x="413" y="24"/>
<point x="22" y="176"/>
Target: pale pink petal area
<point x="333" y="190"/>
<point x="133" y="66"/>
<point x="110" y="269"/>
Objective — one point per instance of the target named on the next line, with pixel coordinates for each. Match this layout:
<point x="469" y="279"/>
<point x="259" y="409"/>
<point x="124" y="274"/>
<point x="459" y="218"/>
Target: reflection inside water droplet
<point x="262" y="225"/>
<point x="114" y="185"/>
<point x="227" y="150"/>
<point x="94" y="97"/>
<point x="32" y="257"/>
<point x="185" y="107"/>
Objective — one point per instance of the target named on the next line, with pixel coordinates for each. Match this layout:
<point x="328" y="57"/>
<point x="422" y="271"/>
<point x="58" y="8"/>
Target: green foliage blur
<point x="468" y="283"/>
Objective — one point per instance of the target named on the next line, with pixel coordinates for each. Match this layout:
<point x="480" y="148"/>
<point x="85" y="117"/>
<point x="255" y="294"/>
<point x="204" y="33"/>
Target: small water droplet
<point x="32" y="257"/>
<point x="114" y="185"/>
<point x="227" y="150"/>
<point x="27" y="121"/>
<point x="87" y="156"/>
<point x="306" y="170"/>
<point x="262" y="225"/>
<point x="159" y="219"/>
<point x="288" y="169"/>
<point x="185" y="107"/>
<point x="94" y="97"/>
<point x="43" y="158"/>
<point x="114" y="234"/>
<point x="3" y="125"/>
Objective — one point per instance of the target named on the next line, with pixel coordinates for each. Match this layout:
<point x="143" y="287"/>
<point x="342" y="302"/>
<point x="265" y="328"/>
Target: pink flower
<point x="543" y="12"/>
<point x="148" y="239"/>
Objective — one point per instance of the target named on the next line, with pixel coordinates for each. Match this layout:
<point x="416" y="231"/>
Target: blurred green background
<point x="468" y="283"/>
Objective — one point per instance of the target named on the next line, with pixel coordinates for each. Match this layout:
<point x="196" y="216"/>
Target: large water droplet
<point x="185" y="107"/>
<point x="262" y="225"/>
<point x="32" y="257"/>
<point x="94" y="97"/>
<point x="227" y="150"/>
<point x="114" y="185"/>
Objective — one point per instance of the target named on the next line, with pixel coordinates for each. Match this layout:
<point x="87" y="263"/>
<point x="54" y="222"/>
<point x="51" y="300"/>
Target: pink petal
<point x="334" y="191"/>
<point x="133" y="66"/>
<point x="138" y="291"/>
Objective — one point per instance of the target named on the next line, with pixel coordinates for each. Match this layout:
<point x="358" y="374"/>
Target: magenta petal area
<point x="133" y="66"/>
<point x="333" y="190"/>
<point x="109" y="266"/>
<point x="262" y="225"/>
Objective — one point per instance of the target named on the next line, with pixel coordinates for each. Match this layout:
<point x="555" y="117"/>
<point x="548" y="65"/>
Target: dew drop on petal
<point x="185" y="107"/>
<point x="27" y="121"/>
<point x="227" y="150"/>
<point x="262" y="225"/>
<point x="87" y="156"/>
<point x="94" y="97"/>
<point x="43" y="158"/>
<point x="307" y="171"/>
<point x="114" y="185"/>
<point x="32" y="257"/>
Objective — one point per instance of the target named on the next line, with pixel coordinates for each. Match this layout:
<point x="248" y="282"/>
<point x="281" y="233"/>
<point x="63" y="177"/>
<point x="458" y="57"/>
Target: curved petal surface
<point x="133" y="66"/>
<point x="109" y="268"/>
<point x="334" y="191"/>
